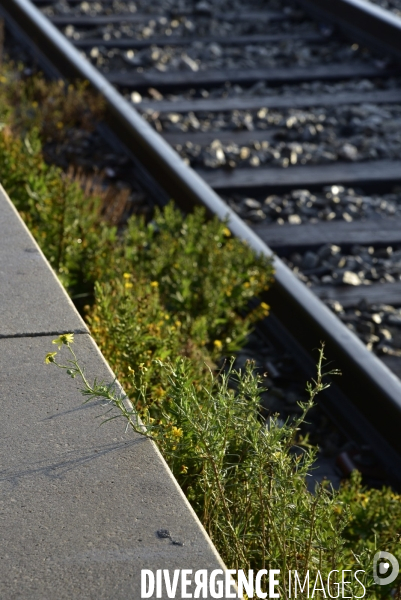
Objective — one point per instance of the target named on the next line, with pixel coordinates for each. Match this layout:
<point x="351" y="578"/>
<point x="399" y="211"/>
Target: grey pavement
<point x="81" y="503"/>
<point x="32" y="301"/>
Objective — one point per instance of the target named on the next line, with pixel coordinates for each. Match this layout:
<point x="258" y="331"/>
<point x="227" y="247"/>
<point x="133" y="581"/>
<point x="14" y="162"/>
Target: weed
<point x="170" y="297"/>
<point x="66" y="223"/>
<point x="245" y="479"/>
<point x="50" y="107"/>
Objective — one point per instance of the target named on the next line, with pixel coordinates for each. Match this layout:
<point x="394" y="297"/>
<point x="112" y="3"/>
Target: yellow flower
<point x="130" y="369"/>
<point x="154" y="284"/>
<point x="264" y="306"/>
<point x="49" y="358"/>
<point x="184" y="469"/>
<point x="177" y="432"/>
<point x="218" y="344"/>
<point x="127" y="275"/>
<point x="65" y="338"/>
<point x="226" y="232"/>
<point x="128" y="285"/>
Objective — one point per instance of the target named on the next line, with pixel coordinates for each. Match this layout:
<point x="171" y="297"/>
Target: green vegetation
<point x="247" y="481"/>
<point x="49" y="107"/>
<point x="66" y="224"/>
<point x="165" y="301"/>
<point x="177" y="288"/>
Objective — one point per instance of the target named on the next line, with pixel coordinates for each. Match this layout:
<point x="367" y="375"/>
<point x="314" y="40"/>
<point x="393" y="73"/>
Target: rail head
<point x="365" y="21"/>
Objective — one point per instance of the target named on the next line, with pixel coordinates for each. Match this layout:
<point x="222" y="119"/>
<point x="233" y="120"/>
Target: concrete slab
<point x="32" y="301"/>
<point x="80" y="504"/>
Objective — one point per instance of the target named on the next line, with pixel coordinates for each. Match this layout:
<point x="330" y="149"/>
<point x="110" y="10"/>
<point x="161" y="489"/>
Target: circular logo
<point x="382" y="572"/>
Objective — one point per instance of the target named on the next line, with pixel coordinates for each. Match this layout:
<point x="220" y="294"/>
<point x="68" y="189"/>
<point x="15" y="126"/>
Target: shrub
<point x="245" y="479"/>
<point x="66" y="224"/>
<point x="50" y="107"/>
<point x="168" y="301"/>
<point x="374" y="522"/>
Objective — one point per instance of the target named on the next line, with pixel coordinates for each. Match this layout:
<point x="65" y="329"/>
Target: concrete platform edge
<point x="30" y="344"/>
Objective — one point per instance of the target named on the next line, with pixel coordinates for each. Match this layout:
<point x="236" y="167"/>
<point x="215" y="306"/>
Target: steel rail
<point x="367" y="22"/>
<point x="373" y="389"/>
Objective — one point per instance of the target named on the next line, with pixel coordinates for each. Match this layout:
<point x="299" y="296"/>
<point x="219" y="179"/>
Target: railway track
<point x="290" y="128"/>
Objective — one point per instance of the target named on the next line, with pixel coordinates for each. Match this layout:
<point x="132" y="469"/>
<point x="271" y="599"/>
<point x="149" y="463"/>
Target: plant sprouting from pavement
<point x="245" y="477"/>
